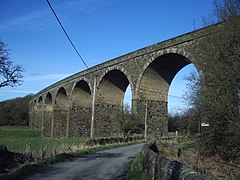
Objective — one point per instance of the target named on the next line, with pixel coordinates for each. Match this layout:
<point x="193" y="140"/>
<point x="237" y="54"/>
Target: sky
<point x="100" y="29"/>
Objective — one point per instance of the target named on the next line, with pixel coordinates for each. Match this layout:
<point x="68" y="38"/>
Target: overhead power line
<point x="66" y="34"/>
<point x="164" y="94"/>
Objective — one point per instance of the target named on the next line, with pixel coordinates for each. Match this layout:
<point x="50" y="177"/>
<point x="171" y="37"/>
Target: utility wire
<point x="66" y="34"/>
<point x="173" y="96"/>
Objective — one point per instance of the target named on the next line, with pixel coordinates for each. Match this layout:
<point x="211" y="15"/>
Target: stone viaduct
<point x="86" y="103"/>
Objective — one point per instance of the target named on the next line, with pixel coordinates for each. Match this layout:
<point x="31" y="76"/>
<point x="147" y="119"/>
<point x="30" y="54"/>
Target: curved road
<point x="105" y="165"/>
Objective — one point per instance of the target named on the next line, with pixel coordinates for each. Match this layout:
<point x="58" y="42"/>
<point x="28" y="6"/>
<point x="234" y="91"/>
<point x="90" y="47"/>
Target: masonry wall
<point x="80" y="121"/>
<point x="105" y="123"/>
<point x="60" y="123"/>
<point x="47" y="123"/>
<point x="38" y="119"/>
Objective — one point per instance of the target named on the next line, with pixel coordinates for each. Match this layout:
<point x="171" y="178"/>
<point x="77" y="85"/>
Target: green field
<point x="18" y="138"/>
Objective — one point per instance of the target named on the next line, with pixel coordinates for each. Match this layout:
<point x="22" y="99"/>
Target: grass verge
<point x="136" y="171"/>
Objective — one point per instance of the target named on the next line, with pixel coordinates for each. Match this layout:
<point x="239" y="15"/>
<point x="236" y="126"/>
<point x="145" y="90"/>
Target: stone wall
<point x="47" y="123"/>
<point x="156" y="116"/>
<point x="112" y="140"/>
<point x="105" y="121"/>
<point x="159" y="167"/>
<point x="80" y="121"/>
<point x="60" y="123"/>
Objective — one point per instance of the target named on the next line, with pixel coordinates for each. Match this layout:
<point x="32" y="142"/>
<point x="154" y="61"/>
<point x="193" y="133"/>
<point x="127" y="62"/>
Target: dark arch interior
<point x="82" y="94"/>
<point x="113" y="86"/>
<point x="118" y="79"/>
<point x="61" y="98"/>
<point x="48" y="102"/>
<point x="167" y="66"/>
<point x="83" y="85"/>
<point x="40" y="100"/>
<point x="159" y="75"/>
<point x="48" y="98"/>
<point x="62" y="91"/>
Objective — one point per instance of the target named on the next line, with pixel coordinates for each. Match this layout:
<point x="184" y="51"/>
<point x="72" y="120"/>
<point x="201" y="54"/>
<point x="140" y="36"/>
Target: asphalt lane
<point x="109" y="164"/>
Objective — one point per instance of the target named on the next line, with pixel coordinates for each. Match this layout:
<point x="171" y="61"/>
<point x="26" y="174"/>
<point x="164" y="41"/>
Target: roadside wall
<point x="159" y="167"/>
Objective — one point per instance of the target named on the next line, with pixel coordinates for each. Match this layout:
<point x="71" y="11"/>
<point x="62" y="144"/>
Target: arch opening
<point x="39" y="113"/>
<point x="153" y="90"/>
<point x="178" y="88"/>
<point x="81" y="94"/>
<point x="40" y="100"/>
<point x="48" y="114"/>
<point x="111" y="92"/>
<point x="60" y="114"/>
<point x="113" y="86"/>
<point x="81" y="110"/>
<point x="61" y="98"/>
<point x="159" y="75"/>
<point x="48" y="99"/>
<point x="128" y="97"/>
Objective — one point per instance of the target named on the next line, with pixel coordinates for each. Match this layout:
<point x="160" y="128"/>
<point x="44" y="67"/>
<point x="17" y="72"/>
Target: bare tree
<point x="222" y="11"/>
<point x="10" y="74"/>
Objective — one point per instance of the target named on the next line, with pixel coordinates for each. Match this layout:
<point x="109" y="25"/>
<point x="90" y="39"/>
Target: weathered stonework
<point x="60" y="123"/>
<point x="80" y="121"/>
<point x="106" y="119"/>
<point x="86" y="103"/>
<point x="47" y="123"/>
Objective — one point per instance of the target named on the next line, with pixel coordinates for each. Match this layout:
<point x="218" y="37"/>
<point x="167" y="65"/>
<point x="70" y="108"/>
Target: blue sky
<point x="100" y="29"/>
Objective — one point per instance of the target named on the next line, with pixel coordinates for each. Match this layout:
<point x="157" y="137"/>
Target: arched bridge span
<point x="86" y="103"/>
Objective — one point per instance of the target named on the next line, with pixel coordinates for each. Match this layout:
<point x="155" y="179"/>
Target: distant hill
<point x="14" y="112"/>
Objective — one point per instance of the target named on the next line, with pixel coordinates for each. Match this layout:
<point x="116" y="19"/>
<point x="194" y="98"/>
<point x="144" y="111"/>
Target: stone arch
<point x="61" y="99"/>
<point x="121" y="69"/>
<point x="39" y="113"/>
<point x="81" y="94"/>
<point x="152" y="57"/>
<point x="40" y="100"/>
<point x="48" y="115"/>
<point x="115" y="81"/>
<point x="159" y="74"/>
<point x="81" y="109"/>
<point x="60" y="113"/>
<point x="153" y="85"/>
<point x="109" y="101"/>
<point x="48" y="98"/>
<point x="84" y="80"/>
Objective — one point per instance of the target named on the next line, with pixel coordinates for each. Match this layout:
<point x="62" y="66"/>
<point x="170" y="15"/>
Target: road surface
<point x="105" y="165"/>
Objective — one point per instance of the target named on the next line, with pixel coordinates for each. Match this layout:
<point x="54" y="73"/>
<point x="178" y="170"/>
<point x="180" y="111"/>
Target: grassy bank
<point x="136" y="171"/>
<point x="18" y="138"/>
<point x="211" y="166"/>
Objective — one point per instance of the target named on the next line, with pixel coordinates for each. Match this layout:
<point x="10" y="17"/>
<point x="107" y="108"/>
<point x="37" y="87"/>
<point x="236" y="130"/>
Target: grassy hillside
<point x="18" y="138"/>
